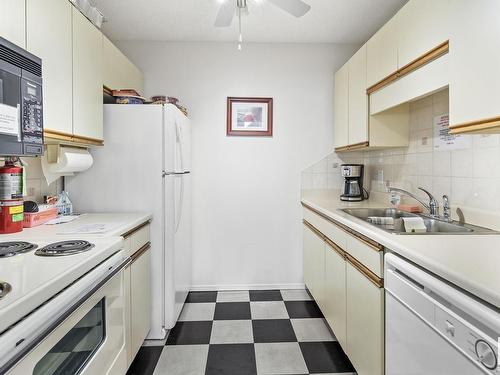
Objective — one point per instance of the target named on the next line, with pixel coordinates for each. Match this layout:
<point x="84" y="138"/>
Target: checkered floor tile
<point x="254" y="332"/>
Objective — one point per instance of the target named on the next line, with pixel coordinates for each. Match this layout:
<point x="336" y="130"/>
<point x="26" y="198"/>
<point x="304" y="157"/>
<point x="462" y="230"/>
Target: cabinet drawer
<point x="136" y="238"/>
<point x="372" y="258"/>
<point x="330" y="230"/>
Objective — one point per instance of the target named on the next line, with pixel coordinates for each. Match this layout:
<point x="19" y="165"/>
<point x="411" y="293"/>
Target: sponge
<point x="414" y="225"/>
<point x="414" y="208"/>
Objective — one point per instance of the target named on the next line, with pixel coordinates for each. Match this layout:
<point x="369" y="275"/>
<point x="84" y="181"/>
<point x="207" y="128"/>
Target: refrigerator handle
<point x="178" y="131"/>
<point x="178" y="211"/>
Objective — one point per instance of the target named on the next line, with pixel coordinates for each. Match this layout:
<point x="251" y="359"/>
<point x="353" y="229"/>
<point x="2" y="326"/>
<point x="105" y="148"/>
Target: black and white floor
<point x="246" y="333"/>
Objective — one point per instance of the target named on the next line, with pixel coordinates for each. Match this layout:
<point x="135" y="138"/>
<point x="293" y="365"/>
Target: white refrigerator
<point x="144" y="166"/>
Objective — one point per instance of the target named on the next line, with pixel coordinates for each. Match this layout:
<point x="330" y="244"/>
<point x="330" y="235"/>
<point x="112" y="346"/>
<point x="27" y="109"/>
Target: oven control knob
<point x="486" y="354"/>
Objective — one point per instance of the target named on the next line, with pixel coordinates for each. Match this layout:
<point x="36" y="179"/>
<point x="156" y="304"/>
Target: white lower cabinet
<point x="140" y="300"/>
<point x="346" y="283"/>
<point x="365" y="323"/>
<point x="335" y="294"/>
<point x="314" y="264"/>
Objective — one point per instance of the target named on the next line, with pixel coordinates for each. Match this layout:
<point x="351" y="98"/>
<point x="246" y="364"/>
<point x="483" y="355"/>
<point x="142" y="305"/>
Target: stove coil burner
<point x="64" y="248"/>
<point x="8" y="249"/>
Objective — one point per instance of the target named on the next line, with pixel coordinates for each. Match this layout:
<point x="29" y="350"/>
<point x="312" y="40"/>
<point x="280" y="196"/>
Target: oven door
<point x="90" y="340"/>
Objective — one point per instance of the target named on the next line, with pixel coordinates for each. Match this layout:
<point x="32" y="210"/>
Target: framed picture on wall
<point x="250" y="117"/>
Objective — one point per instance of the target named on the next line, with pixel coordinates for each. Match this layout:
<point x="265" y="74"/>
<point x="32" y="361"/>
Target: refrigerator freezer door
<point x="178" y="243"/>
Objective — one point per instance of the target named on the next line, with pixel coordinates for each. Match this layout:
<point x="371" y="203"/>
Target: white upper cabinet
<point x="48" y="35"/>
<point x="358" y="99"/>
<point x="118" y="71"/>
<point x="382" y="53"/>
<point x="341" y="107"/>
<point x="12" y="21"/>
<point x="422" y="26"/>
<point x="87" y="78"/>
<point x="475" y="64"/>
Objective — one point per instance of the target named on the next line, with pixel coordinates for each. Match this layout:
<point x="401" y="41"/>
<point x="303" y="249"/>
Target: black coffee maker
<point x="353" y="183"/>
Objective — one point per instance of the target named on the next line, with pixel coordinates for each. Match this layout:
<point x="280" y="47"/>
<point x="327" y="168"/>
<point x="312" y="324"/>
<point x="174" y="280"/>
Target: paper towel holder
<point x="52" y="151"/>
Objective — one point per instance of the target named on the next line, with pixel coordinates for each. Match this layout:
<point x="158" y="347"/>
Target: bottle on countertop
<point x="64" y="205"/>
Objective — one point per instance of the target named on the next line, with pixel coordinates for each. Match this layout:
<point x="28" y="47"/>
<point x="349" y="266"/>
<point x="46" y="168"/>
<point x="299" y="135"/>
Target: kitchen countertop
<point x="469" y="261"/>
<point x="120" y="223"/>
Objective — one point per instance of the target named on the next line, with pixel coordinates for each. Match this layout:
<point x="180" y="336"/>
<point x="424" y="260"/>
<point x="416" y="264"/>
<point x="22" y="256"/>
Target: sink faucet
<point x="446" y="208"/>
<point x="432" y="206"/>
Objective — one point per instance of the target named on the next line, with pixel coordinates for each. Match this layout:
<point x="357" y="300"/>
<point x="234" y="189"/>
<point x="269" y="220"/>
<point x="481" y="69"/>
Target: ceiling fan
<point x="229" y="8"/>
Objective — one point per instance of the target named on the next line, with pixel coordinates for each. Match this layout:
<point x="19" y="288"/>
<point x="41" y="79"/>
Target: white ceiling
<point x="329" y="21"/>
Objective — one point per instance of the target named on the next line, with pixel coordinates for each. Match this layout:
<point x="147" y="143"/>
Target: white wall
<point x="246" y="191"/>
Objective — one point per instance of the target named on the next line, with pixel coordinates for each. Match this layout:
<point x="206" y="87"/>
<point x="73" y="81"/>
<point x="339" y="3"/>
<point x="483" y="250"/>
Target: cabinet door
<point x="140" y="301"/>
<point x="118" y="71"/>
<point x="422" y="26"/>
<point x="341" y="107"/>
<point x="382" y="53"/>
<point x="314" y="264"/>
<point x="87" y="78"/>
<point x="365" y="323"/>
<point x="48" y="35"/>
<point x="335" y="294"/>
<point x="12" y="21"/>
<point x="358" y="99"/>
<point x="474" y="62"/>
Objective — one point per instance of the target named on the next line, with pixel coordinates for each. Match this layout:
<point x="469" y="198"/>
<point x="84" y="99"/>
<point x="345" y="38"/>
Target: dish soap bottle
<point x="64" y="205"/>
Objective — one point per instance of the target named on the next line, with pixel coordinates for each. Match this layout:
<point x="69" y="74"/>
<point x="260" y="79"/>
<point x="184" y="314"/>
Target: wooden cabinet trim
<point x="139" y="252"/>
<point x="476" y="126"/>
<point x="352" y="147"/>
<point x="323" y="236"/>
<point x="335" y="248"/>
<point x="426" y="58"/>
<point x="314" y="230"/>
<point x="372" y="244"/>
<point x="135" y="229"/>
<point x="365" y="271"/>
<point x="61" y="136"/>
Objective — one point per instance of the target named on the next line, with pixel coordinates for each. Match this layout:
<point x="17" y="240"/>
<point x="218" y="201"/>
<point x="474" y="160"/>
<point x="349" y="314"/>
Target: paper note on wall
<point x="9" y="120"/>
<point x="443" y="140"/>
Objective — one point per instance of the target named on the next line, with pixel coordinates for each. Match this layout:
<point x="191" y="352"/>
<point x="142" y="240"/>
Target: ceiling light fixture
<point x="242" y="4"/>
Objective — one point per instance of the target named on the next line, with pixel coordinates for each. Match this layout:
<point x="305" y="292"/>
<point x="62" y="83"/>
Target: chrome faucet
<point x="432" y="206"/>
<point x="446" y="208"/>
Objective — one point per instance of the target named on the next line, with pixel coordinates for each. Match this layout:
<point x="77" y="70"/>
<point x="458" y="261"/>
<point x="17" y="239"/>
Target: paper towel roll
<point x="70" y="160"/>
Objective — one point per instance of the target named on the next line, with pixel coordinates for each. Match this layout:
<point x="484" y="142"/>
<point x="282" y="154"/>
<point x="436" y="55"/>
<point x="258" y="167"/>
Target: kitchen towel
<point x="69" y="161"/>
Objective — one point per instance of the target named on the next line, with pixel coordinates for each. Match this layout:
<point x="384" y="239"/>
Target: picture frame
<point x="250" y="117"/>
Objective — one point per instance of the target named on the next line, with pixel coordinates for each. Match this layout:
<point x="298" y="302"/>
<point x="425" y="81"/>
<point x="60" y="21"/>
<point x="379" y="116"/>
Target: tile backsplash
<point x="470" y="176"/>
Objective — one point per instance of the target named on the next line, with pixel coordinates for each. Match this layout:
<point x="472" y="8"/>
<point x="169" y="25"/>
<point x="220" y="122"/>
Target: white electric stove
<point x="44" y="284"/>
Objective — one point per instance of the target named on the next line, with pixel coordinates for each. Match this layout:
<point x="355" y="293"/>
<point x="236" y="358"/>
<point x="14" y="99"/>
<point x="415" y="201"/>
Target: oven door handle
<point x="28" y="333"/>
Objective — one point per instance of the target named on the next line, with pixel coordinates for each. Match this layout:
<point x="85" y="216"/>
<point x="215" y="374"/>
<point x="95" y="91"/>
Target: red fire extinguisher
<point x="11" y="197"/>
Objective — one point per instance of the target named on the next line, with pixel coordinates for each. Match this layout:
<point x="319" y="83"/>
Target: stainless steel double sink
<point x="433" y="225"/>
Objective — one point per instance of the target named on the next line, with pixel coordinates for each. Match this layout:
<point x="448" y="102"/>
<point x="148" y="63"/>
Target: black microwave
<point x="21" y="110"/>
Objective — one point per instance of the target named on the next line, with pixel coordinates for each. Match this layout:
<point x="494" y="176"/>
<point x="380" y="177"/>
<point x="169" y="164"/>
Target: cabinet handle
<point x="365" y="271"/>
<point x="313" y="229"/>
<point x="139" y="252"/>
<point x="335" y="247"/>
<point x="136" y="229"/>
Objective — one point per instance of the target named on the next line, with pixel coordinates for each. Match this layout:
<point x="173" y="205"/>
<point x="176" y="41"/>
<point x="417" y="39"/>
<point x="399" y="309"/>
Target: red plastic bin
<point x="32" y="219"/>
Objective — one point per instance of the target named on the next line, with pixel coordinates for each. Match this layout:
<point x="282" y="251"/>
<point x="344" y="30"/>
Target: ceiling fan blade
<point x="226" y="13"/>
<point x="295" y="7"/>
